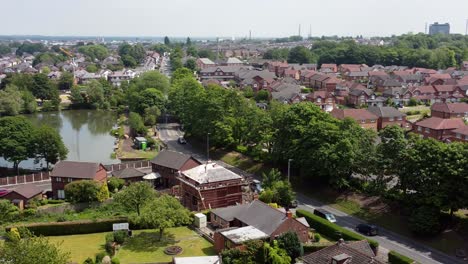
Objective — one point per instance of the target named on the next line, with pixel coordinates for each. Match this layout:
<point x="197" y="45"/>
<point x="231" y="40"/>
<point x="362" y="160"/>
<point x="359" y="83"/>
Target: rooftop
<point x="75" y="169"/>
<point x="171" y="159"/>
<point x="208" y="173"/>
<point x="197" y="260"/>
<point x="244" y="234"/>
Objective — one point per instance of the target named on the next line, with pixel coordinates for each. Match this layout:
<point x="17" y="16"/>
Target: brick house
<point x="354" y="252"/>
<point x="169" y="163"/>
<point x="326" y="101"/>
<point x="460" y="134"/>
<point x="254" y="219"/>
<point x="210" y="186"/>
<point x="449" y="110"/>
<point x="203" y="63"/>
<point x="329" y="68"/>
<point x="24" y="193"/>
<point x="425" y="93"/>
<point x="358" y="97"/>
<point x="437" y="128"/>
<point x="364" y="118"/>
<point x="388" y="116"/>
<point x="65" y="172"/>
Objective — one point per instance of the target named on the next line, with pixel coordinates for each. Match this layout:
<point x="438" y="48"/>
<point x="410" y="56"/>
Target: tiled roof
<point x="438" y="123"/>
<point x="450" y="107"/>
<point x="75" y="169"/>
<point x="359" y="252"/>
<point x="128" y="173"/>
<point x="356" y="114"/>
<point x="385" y="111"/>
<point x="28" y="190"/>
<point x="171" y="159"/>
<point x="462" y="130"/>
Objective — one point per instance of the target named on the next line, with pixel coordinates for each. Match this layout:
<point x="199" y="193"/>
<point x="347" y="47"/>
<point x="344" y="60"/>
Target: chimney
<point x="340" y="242"/>
<point x="341" y="259"/>
<point x="289" y="214"/>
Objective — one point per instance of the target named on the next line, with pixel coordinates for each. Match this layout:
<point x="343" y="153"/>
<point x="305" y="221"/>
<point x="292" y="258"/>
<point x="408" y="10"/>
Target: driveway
<point x="388" y="240"/>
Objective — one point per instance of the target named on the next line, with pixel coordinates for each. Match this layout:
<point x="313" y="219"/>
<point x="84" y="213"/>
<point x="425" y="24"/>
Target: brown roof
<point x="359" y="252"/>
<point x="28" y="191"/>
<point x="356" y="114"/>
<point x="171" y="159"/>
<point x="128" y="173"/>
<point x="438" y="123"/>
<point x="75" y="169"/>
<point x="462" y="130"/>
<point x="444" y="88"/>
<point x="450" y="107"/>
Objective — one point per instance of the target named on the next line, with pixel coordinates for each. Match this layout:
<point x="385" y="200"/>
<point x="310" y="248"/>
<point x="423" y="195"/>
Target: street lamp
<point x="289" y="168"/>
<point x="208" y="147"/>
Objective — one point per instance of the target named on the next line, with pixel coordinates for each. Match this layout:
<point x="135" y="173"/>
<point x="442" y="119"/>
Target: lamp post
<point x="289" y="168"/>
<point x="208" y="147"/>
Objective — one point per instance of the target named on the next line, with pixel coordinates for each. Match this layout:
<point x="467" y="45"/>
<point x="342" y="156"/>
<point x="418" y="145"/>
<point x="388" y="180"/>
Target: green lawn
<point x="143" y="247"/>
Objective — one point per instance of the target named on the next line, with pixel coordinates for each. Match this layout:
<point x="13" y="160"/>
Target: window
<point x="363" y="121"/>
<point x="58" y="179"/>
<point x="391" y="119"/>
<point x="319" y="100"/>
<point x="61" y="194"/>
<point x="400" y="118"/>
<point x="372" y="121"/>
<point x="428" y="130"/>
<point x="458" y="135"/>
<point x="466" y="137"/>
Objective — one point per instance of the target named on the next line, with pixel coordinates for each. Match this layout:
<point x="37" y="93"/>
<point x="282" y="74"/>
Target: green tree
<point x="269" y="180"/>
<point x="16" y="138"/>
<point x="151" y="115"/>
<point x="94" y="52"/>
<point x="11" y="101"/>
<point x="29" y="102"/>
<point x="167" y="41"/>
<point x="135" y="122"/>
<point x="274" y="254"/>
<point x="4" y="49"/>
<point x="129" y="61"/>
<point x="135" y="196"/>
<point x="114" y="184"/>
<point x="425" y="220"/>
<point x="48" y="145"/>
<point x="291" y="243"/>
<point x="300" y="55"/>
<point x="188" y="42"/>
<point x="32" y="250"/>
<point x="92" y="68"/>
<point x="66" y="81"/>
<point x="42" y="88"/>
<point x="84" y="191"/>
<point x="191" y="64"/>
<point x="164" y="212"/>
<point x="95" y="94"/>
<point x="8" y="211"/>
<point x="262" y="96"/>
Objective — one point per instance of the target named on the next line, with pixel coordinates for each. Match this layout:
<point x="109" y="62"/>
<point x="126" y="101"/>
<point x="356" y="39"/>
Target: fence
<point x="45" y="176"/>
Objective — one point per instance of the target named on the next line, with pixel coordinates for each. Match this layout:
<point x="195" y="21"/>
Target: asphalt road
<point x="388" y="240"/>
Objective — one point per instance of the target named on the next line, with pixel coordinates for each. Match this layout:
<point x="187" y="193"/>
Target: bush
<point x="73" y="227"/>
<point x="291" y="243"/>
<point x="88" y="261"/>
<point x="109" y="248"/>
<point x="396" y="258"/>
<point x="115" y="183"/>
<point x="115" y="261"/>
<point x="99" y="257"/>
<point x="120" y="236"/>
<point x="82" y="191"/>
<point x="332" y="230"/>
<point x="55" y="201"/>
<point x="317" y="237"/>
<point x="29" y="212"/>
<point x="425" y="220"/>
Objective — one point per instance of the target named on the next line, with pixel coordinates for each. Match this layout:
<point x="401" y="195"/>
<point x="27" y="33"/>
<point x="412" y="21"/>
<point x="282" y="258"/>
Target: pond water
<point x="84" y="132"/>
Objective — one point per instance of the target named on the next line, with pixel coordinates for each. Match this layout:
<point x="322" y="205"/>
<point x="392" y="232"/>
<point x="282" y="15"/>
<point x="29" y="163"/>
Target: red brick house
<point x="210" y="186"/>
<point x="169" y="163"/>
<point x="437" y="128"/>
<point x="425" y="93"/>
<point x="437" y="79"/>
<point x="460" y="134"/>
<point x="358" y="97"/>
<point x="203" y="63"/>
<point x="449" y="110"/>
<point x="326" y="101"/>
<point x="24" y="193"/>
<point x="388" y="116"/>
<point x="354" y="252"/>
<point x="329" y="68"/>
<point x="365" y="118"/>
<point x="255" y="219"/>
<point x="65" y="172"/>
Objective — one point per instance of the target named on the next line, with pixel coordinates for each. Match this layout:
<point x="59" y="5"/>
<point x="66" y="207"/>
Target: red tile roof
<point x="356" y="114"/>
<point x="462" y="130"/>
<point x="444" y="88"/>
<point x="438" y="123"/>
<point x="450" y="107"/>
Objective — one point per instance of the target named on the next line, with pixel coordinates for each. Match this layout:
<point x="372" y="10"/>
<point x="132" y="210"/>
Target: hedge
<point x="73" y="227"/>
<point x="396" y="258"/>
<point x="310" y="248"/>
<point x="332" y="230"/>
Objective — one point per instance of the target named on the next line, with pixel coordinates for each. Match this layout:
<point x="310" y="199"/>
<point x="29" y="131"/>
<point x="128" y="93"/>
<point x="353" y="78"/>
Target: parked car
<point x="182" y="140"/>
<point x="257" y="186"/>
<point x="3" y="192"/>
<point x="325" y="215"/>
<point x="369" y="230"/>
<point x="293" y="204"/>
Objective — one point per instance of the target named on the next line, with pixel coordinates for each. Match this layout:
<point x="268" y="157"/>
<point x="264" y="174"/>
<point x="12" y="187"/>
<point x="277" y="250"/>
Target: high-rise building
<point x="437" y="28"/>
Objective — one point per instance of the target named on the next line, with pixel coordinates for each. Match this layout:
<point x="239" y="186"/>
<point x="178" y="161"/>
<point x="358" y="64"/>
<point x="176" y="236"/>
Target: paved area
<point x="388" y="240"/>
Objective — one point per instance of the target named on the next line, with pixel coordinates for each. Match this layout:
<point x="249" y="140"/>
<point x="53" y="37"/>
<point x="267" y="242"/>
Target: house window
<point x="319" y="100"/>
<point x="419" y="128"/>
<point x="458" y="135"/>
<point x="58" y="179"/>
<point x="400" y="118"/>
<point x="466" y="137"/>
<point x="363" y="121"/>
<point x="428" y="130"/>
<point x="391" y="119"/>
<point x="372" y="121"/>
<point x="372" y="97"/>
<point x="61" y="194"/>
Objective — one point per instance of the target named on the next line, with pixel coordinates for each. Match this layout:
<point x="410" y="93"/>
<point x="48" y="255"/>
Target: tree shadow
<point x="149" y="241"/>
<point x="209" y="251"/>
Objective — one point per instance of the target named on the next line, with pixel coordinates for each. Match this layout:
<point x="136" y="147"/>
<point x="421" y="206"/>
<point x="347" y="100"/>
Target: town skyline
<point x="183" y="18"/>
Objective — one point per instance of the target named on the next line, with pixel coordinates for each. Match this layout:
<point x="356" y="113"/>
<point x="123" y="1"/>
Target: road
<point x="388" y="240"/>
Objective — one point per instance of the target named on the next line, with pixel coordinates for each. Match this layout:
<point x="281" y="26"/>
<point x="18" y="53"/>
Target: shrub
<point x="396" y="258"/>
<point x="100" y="256"/>
<point x="115" y="183"/>
<point x="120" y="236"/>
<point x="332" y="230"/>
<point x="55" y="201"/>
<point x="310" y="248"/>
<point x="110" y="237"/>
<point x="109" y="248"/>
<point x="424" y="220"/>
<point x="72" y="227"/>
<point x="88" y="261"/>
<point x="82" y="191"/>
<point x="291" y="243"/>
<point x="115" y="261"/>
<point x="29" y="212"/>
<point x="317" y="237"/>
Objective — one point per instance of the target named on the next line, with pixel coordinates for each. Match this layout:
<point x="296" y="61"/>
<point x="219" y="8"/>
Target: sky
<point x="212" y="18"/>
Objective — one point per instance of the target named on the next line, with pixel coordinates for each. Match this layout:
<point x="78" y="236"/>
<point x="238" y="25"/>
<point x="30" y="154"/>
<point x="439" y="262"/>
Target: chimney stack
<point x="289" y="214"/>
<point x="341" y="259"/>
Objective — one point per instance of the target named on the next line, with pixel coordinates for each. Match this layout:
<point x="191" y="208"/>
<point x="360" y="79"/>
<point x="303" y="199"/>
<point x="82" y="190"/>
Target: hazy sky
<point x="200" y="18"/>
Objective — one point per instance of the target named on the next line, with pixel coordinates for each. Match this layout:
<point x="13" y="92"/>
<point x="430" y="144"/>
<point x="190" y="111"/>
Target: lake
<point x="84" y="132"/>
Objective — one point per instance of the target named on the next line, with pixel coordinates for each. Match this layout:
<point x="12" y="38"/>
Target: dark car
<point x="369" y="230"/>
<point x="325" y="215"/>
<point x="182" y="140"/>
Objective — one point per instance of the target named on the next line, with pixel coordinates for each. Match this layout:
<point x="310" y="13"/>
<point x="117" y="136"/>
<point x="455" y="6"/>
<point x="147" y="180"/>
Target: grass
<point x="134" y="154"/>
<point x="143" y="247"/>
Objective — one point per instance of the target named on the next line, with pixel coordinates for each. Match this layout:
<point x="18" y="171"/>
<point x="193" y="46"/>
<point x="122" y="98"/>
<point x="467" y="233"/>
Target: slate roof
<point x="450" y="107"/>
<point x="128" y="173"/>
<point x="438" y="123"/>
<point x="358" y="92"/>
<point x="359" y="251"/>
<point x="385" y="111"/>
<point x="171" y="159"/>
<point x="75" y="169"/>
<point x="256" y="214"/>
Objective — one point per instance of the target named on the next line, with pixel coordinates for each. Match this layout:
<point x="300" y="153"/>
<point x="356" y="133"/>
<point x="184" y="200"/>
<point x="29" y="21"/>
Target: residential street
<point x="388" y="240"/>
